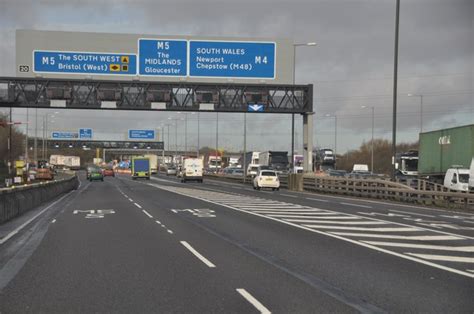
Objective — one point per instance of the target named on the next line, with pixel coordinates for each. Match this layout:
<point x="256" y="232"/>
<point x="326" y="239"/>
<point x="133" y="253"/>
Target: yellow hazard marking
<point x="114" y="67"/>
<point x="124" y="59"/>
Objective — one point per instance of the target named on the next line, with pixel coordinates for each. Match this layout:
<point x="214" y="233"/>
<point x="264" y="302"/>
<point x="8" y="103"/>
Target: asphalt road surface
<point x="163" y="246"/>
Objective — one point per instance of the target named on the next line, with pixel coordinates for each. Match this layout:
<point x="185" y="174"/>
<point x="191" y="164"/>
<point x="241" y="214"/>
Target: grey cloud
<point x="353" y="58"/>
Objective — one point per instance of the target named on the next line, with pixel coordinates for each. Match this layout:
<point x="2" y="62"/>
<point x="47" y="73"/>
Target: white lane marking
<point x="471" y="270"/>
<point x="288" y="210"/>
<point x="259" y="306"/>
<point x="398" y="237"/>
<point x="158" y="222"/>
<point x="357" y="205"/>
<point x="432" y="257"/>
<point x="342" y="222"/>
<point x="197" y="254"/>
<point x="213" y="194"/>
<point x="130" y="200"/>
<point x="169" y="231"/>
<point x="416" y="214"/>
<point x="424" y="246"/>
<point x="11" y="234"/>
<point x="288" y="195"/>
<point x="267" y="206"/>
<point x="316" y="199"/>
<point x="146" y="213"/>
<point x="319" y="217"/>
<point x="137" y="205"/>
<point x="365" y="229"/>
<point x="297" y="214"/>
<point x="53" y="221"/>
<point x="126" y="195"/>
<point x="336" y="236"/>
<point x="323" y="217"/>
<point x="457" y="217"/>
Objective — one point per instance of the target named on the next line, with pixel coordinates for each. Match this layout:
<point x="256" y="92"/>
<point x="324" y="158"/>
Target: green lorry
<point x="443" y="149"/>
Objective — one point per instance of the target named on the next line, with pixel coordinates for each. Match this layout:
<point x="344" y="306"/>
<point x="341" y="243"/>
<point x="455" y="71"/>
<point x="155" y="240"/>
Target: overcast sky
<point x="352" y="65"/>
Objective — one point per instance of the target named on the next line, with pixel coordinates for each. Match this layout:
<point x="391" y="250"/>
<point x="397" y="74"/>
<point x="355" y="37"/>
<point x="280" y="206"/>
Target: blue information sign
<point x="84" y="62"/>
<point x="141" y="134"/>
<point x="85" y="133"/>
<point x="159" y="57"/>
<point x="64" y="135"/>
<point x="256" y="108"/>
<point x="232" y="59"/>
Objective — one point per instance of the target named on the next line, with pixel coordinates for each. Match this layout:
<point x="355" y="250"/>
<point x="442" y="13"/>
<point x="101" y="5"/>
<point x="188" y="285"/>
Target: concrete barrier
<point x="20" y="199"/>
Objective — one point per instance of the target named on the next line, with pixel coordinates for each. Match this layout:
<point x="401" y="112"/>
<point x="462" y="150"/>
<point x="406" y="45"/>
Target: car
<point x="266" y="179"/>
<point x="108" y="172"/>
<point x="94" y="173"/>
<point x="171" y="171"/>
<point x="237" y="172"/>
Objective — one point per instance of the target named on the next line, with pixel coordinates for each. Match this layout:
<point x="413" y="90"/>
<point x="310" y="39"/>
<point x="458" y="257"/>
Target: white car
<point x="266" y="179"/>
<point x="171" y="171"/>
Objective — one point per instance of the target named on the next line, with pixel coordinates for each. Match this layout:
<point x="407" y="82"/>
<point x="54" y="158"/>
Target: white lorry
<point x="457" y="179"/>
<point x="72" y="162"/>
<point x="153" y="162"/>
<point x="471" y="176"/>
<point x="192" y="170"/>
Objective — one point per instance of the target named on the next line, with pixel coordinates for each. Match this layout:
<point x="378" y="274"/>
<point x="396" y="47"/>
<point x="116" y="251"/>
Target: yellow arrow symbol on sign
<point x="114" y="67"/>
<point x="124" y="59"/>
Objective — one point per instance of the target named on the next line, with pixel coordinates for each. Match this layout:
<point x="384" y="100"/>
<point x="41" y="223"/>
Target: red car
<point x="108" y="172"/>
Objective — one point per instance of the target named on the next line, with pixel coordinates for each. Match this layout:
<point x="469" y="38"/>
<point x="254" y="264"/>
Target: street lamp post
<point x="293" y="115"/>
<point x="217" y="136"/>
<point x="421" y="109"/>
<point x="335" y="135"/>
<point x="245" y="147"/>
<point x="35" y="154"/>
<point x="198" y="136"/>
<point x="372" y="141"/>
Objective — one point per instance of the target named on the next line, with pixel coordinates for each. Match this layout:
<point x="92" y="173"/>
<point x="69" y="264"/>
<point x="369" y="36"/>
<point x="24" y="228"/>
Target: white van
<point x="471" y="176"/>
<point x="192" y="169"/>
<point x="457" y="179"/>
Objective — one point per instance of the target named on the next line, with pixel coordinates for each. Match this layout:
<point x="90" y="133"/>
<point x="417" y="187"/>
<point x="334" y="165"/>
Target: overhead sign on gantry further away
<point x="176" y="58"/>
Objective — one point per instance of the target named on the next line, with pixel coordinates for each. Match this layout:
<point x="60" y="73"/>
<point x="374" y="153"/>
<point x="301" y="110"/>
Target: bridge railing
<point x="387" y="190"/>
<point x="371" y="188"/>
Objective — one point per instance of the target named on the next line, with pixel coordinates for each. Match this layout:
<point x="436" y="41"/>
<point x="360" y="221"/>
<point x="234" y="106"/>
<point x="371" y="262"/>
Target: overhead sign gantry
<point x="162" y="73"/>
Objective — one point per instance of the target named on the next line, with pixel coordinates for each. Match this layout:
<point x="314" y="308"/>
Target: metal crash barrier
<point x="368" y="188"/>
<point x="17" y="200"/>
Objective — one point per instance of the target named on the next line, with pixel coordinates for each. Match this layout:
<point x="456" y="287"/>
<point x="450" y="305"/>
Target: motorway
<point x="163" y="246"/>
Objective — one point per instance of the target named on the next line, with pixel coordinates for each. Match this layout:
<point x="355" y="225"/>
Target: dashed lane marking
<point x="197" y="254"/>
<point x="147" y="213"/>
<point x="247" y="296"/>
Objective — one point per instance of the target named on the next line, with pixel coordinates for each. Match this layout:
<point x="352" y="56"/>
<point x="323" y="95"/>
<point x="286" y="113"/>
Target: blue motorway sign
<point x="159" y="57"/>
<point x="64" y="135"/>
<point x="85" y="133"/>
<point x="231" y="59"/>
<point x="84" y="62"/>
<point x="141" y="134"/>
<point x="255" y="108"/>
